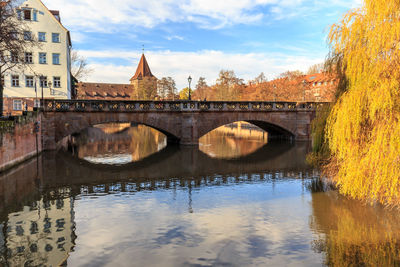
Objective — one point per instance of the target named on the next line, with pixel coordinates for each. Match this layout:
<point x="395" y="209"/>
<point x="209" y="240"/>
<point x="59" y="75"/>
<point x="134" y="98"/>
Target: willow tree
<point x="363" y="129"/>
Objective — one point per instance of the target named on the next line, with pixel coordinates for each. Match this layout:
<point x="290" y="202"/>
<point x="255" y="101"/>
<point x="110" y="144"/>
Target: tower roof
<point x="143" y="69"/>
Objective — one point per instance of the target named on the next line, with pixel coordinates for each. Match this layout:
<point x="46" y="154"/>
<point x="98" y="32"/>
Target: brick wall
<point x="18" y="141"/>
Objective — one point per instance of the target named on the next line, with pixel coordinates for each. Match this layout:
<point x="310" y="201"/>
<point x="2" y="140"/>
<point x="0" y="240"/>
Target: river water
<point x="121" y="197"/>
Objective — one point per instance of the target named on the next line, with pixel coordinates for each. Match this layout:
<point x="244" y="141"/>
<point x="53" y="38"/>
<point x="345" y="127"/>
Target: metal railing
<point x="174" y="106"/>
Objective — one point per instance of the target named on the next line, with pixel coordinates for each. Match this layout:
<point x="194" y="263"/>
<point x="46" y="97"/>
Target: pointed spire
<point x="143" y="69"/>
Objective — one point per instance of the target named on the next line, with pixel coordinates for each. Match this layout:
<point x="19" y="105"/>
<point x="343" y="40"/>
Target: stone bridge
<point x="182" y="122"/>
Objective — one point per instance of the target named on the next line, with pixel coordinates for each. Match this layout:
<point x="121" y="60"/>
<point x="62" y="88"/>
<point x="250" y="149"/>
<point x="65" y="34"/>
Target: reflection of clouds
<point x="178" y="236"/>
<point x="149" y="228"/>
<point x="110" y="159"/>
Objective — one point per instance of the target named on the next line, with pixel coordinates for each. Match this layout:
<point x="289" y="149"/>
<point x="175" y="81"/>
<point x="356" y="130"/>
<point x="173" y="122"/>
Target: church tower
<point x="143" y="82"/>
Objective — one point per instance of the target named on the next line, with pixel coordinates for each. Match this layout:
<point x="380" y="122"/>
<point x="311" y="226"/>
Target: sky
<point x="199" y="37"/>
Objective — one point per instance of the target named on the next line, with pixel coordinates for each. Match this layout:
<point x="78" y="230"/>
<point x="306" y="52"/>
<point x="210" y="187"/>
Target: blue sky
<point x="199" y="37"/>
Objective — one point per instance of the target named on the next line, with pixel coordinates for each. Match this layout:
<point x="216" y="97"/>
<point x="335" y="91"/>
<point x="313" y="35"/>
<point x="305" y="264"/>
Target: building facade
<point x="111" y="91"/>
<point x="48" y="67"/>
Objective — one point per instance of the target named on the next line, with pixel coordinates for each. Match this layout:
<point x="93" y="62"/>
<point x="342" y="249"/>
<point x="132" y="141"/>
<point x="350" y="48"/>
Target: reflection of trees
<point x="227" y="142"/>
<point x="139" y="141"/>
<point x="145" y="141"/>
<point x="354" y="234"/>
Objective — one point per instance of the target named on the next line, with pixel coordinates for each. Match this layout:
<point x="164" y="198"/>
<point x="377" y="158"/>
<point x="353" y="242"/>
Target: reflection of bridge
<point x="180" y="121"/>
<point x="49" y="183"/>
<point x="64" y="170"/>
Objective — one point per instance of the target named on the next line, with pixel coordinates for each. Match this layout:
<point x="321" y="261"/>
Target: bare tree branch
<point x="79" y="65"/>
<point x="15" y="40"/>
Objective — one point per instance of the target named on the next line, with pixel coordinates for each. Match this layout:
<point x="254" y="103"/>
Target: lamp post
<point x="190" y="80"/>
<point x="41" y="80"/>
<point x="49" y="84"/>
<point x="274" y="92"/>
<point x="304" y="90"/>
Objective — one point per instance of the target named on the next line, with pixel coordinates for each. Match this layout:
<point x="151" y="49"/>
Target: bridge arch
<point x="74" y="123"/>
<point x="274" y="128"/>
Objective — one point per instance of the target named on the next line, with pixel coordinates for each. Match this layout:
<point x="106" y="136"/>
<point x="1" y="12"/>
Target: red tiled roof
<point x="143" y="69"/>
<point x="105" y="91"/>
<point x="56" y="14"/>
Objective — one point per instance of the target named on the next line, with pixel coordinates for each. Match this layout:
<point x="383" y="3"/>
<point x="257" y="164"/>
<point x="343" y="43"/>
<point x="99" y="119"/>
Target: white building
<point x="51" y="60"/>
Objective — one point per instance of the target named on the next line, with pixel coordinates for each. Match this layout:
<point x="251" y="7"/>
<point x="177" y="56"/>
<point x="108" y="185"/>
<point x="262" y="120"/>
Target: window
<point x="19" y="14"/>
<point x="2" y="80"/>
<point x="27" y="14"/>
<point x="35" y="15"/>
<point x="55" y="37"/>
<point x="43" y="81"/>
<point x="14" y="57"/>
<point x="57" y="82"/>
<point x="27" y="36"/>
<point x="56" y="59"/>
<point x="42" y="58"/>
<point x="14" y="35"/>
<point x="15" y="80"/>
<point x="28" y="57"/>
<point x="29" y="81"/>
<point x="17" y="104"/>
<point x="42" y="37"/>
<point x="36" y="103"/>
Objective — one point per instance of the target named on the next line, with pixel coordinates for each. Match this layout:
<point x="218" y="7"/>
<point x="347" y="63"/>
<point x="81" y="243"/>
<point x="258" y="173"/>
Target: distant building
<point x="318" y="87"/>
<point x="111" y="91"/>
<point x="49" y="64"/>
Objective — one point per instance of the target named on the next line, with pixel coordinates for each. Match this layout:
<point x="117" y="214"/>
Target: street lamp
<point x="49" y="84"/>
<point x="274" y="92"/>
<point x="190" y="80"/>
<point x="41" y="79"/>
<point x="304" y="90"/>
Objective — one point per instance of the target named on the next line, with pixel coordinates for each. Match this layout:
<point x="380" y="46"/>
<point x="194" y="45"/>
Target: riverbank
<point x="19" y="139"/>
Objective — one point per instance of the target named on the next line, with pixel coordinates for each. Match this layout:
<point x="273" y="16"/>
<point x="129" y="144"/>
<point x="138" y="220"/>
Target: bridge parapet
<point x="175" y="106"/>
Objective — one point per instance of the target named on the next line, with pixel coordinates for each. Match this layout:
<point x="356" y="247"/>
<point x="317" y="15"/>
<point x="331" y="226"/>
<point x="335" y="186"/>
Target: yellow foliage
<point x="363" y="129"/>
<point x="355" y="234"/>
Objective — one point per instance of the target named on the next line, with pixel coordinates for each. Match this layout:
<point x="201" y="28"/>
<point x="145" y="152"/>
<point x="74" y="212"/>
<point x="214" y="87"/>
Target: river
<point x="120" y="196"/>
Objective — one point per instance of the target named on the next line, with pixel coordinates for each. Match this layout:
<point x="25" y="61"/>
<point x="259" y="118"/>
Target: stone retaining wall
<point x="19" y="140"/>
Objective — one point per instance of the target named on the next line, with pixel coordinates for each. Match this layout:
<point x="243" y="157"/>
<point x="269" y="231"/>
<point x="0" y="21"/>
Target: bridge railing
<point x="173" y="106"/>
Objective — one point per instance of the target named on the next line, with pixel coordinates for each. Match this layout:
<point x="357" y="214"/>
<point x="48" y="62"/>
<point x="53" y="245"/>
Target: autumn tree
<point x="79" y="65"/>
<point x="202" y="89"/>
<point x="259" y="79"/>
<point x="15" y="39"/>
<point x="147" y="89"/>
<point x="364" y="125"/>
<point x="166" y="88"/>
<point x="184" y="93"/>
<point x="291" y="74"/>
<point x="228" y="86"/>
<point x="316" y="68"/>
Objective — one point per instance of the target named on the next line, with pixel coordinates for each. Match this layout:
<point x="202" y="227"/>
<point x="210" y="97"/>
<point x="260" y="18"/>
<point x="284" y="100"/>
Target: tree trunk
<point x="1" y="99"/>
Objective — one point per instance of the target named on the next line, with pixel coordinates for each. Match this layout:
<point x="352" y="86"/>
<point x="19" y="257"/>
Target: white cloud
<point x="102" y="15"/>
<point x="177" y="37"/>
<point x="207" y="63"/>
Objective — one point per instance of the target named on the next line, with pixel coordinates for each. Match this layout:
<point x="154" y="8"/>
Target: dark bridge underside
<point x="274" y="131"/>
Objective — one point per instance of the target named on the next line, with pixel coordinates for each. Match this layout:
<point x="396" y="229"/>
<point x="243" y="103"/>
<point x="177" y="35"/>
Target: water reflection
<point x="118" y="143"/>
<point x="233" y="141"/>
<point x="353" y="234"/>
<point x="37" y="227"/>
<point x="121" y="143"/>
<point x="181" y="207"/>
